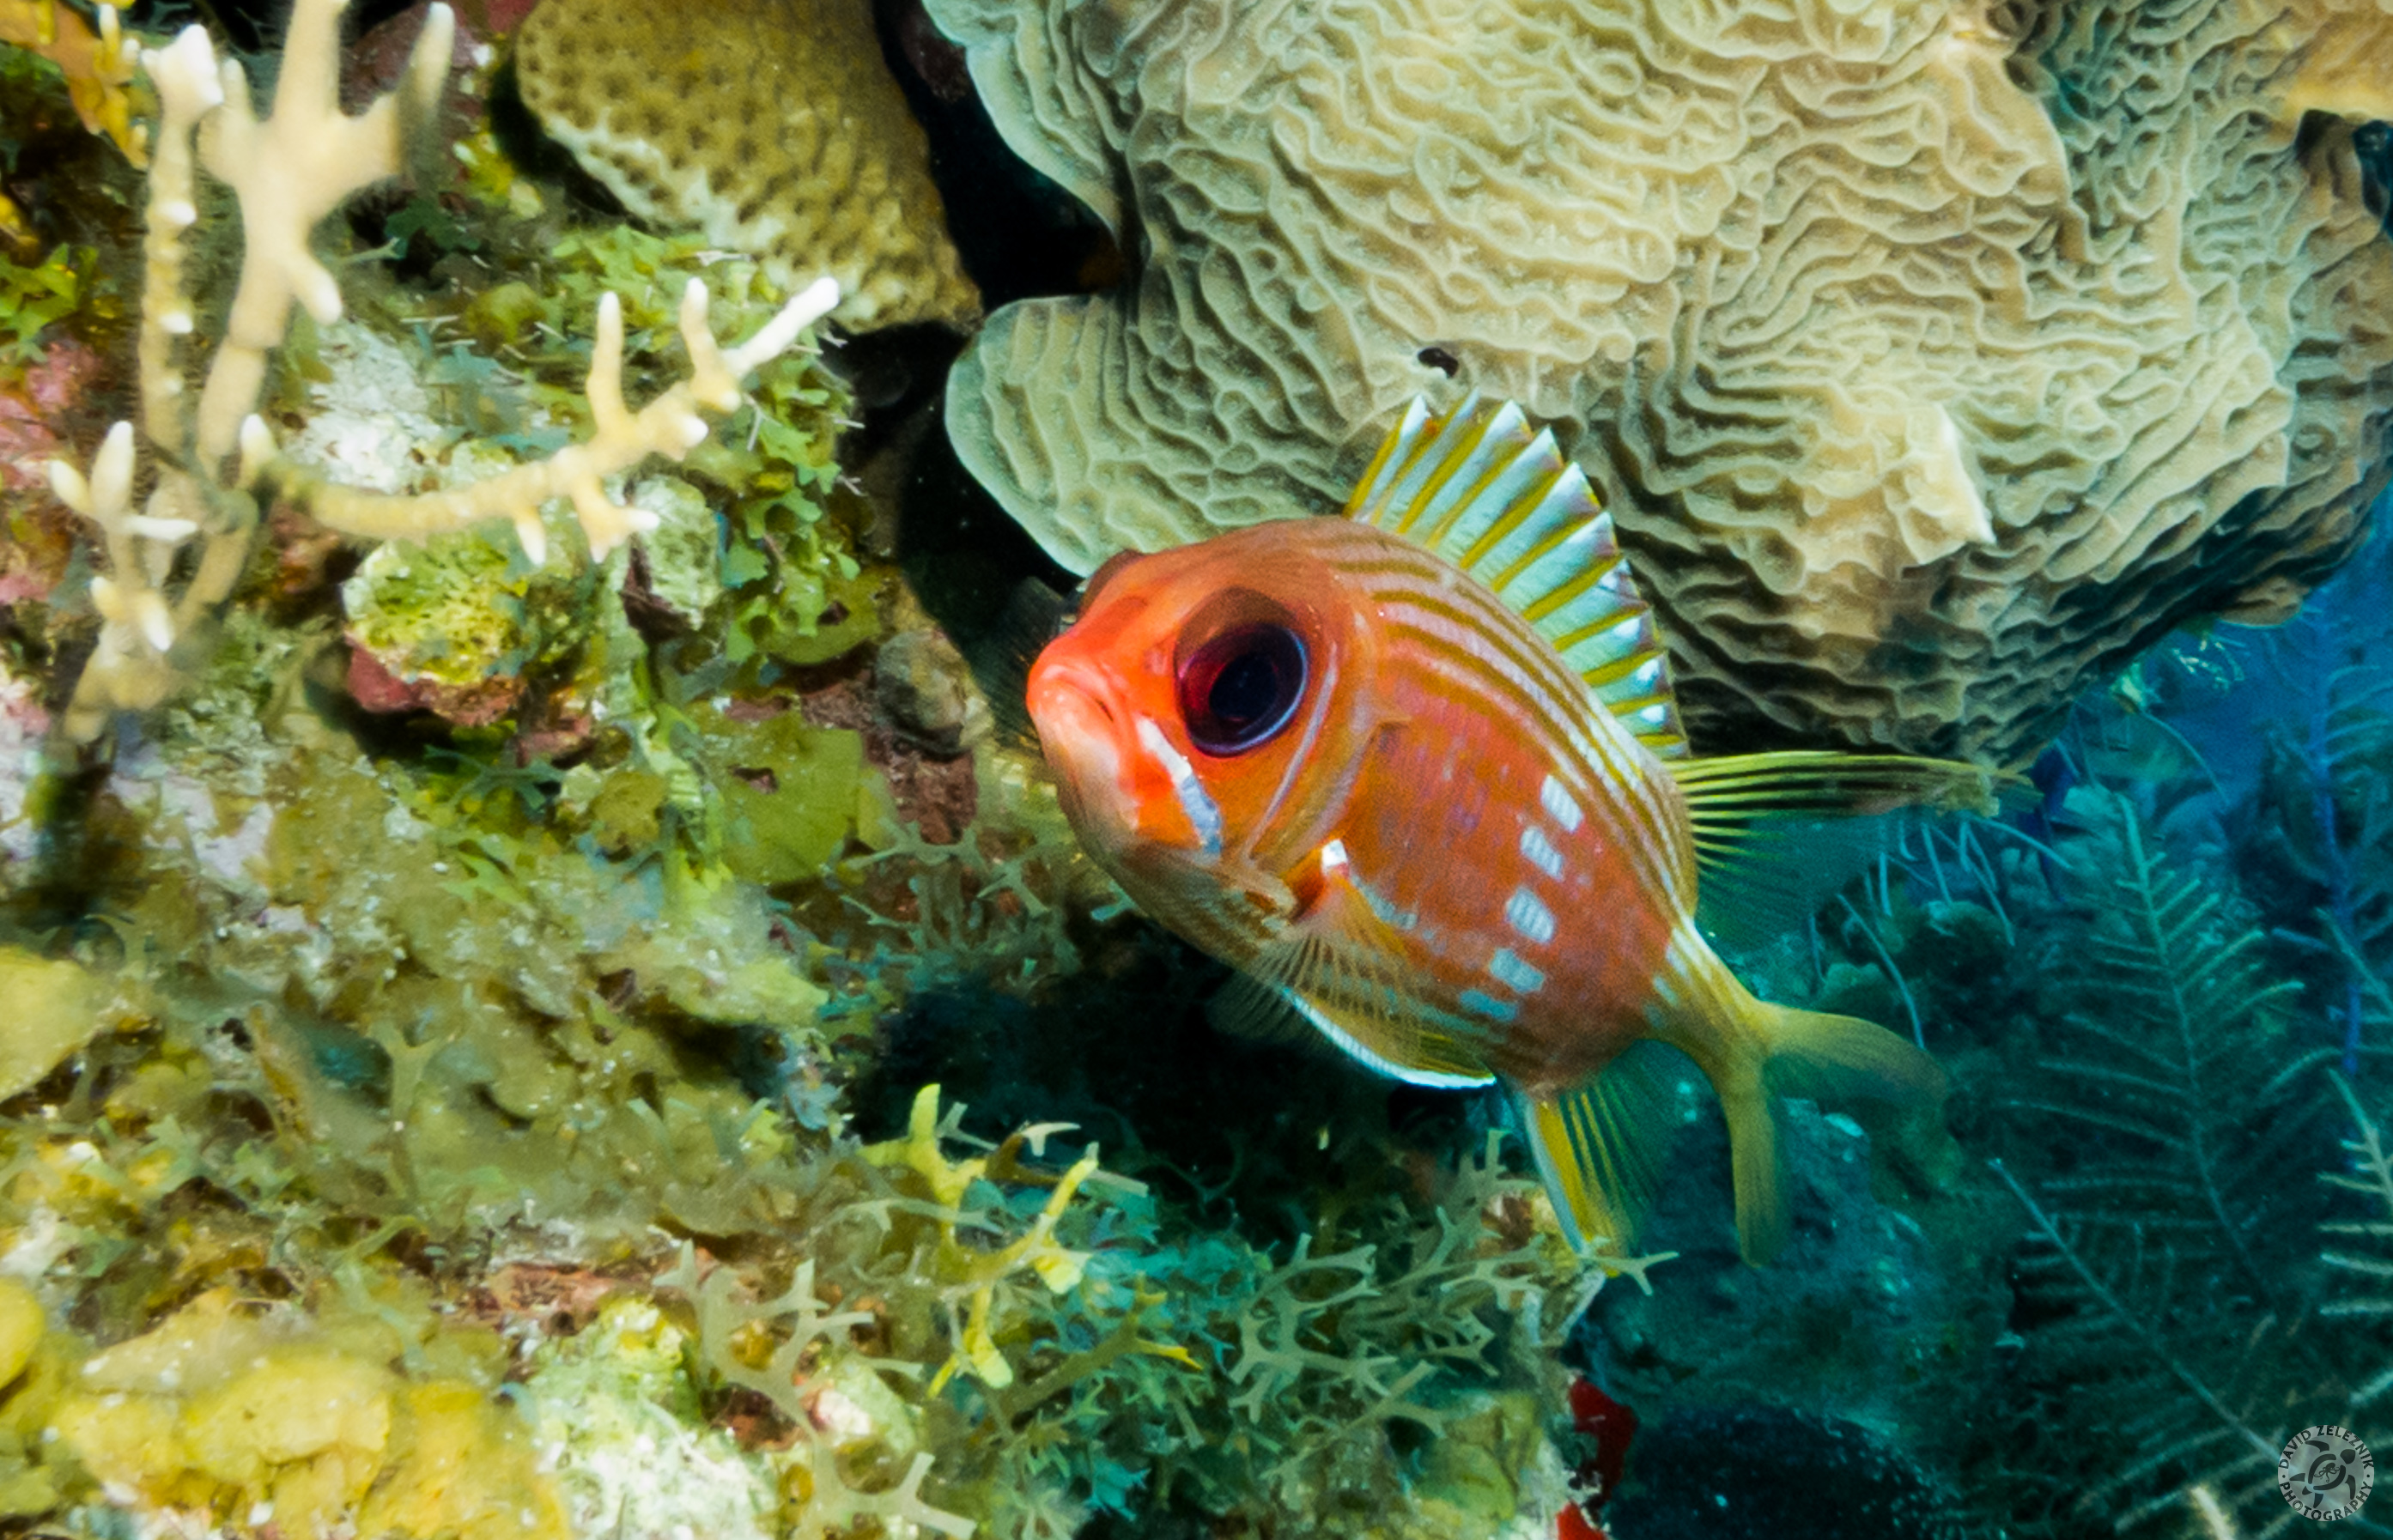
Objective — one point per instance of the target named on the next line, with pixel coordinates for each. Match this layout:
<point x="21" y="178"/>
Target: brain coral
<point x="1935" y="360"/>
<point x="772" y="125"/>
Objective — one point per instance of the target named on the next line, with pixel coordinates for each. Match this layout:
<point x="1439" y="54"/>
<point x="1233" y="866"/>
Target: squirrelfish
<point x="1417" y="774"/>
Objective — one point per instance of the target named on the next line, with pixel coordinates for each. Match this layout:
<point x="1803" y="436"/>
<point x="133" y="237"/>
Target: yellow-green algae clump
<point x="314" y="1423"/>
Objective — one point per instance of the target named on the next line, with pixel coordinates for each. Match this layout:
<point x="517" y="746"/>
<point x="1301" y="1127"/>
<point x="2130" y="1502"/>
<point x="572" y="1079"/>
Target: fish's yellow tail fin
<point x="1752" y="1050"/>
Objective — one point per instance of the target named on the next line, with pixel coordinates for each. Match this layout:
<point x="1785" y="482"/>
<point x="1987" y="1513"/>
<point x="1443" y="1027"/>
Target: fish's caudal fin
<point x="1751" y="1051"/>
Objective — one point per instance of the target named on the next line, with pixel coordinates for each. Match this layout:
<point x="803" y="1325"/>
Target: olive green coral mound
<point x="1932" y="361"/>
<point x="772" y="125"/>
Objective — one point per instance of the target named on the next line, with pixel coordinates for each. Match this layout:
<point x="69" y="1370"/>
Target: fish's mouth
<point x="1084" y="735"/>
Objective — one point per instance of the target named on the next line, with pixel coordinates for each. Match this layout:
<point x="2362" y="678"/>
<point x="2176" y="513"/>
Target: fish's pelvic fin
<point x="1479" y="488"/>
<point x="1341" y="966"/>
<point x="1247" y="1007"/>
<point x="1752" y="1050"/>
<point x="1600" y="1147"/>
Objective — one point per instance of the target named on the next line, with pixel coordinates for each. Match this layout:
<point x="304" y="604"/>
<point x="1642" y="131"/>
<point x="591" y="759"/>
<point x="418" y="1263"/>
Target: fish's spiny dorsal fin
<point x="1478" y="487"/>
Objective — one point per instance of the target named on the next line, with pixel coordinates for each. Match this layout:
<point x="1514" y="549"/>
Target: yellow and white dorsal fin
<point x="1480" y="490"/>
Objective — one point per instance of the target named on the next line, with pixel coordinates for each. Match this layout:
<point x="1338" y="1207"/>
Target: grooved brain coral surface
<point x="1933" y="359"/>
<point x="772" y="125"/>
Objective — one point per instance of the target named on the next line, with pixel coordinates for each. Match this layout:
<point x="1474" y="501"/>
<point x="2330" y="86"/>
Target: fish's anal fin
<point x="1341" y="966"/>
<point x="1752" y="1050"/>
<point x="1600" y="1147"/>
<point x="1478" y="487"/>
<point x="1247" y="1007"/>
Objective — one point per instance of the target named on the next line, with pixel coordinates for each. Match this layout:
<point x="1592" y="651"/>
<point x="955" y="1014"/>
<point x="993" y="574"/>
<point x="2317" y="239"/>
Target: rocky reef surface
<point x="481" y="807"/>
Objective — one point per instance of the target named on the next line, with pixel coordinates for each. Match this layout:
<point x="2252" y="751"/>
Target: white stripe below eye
<point x="1541" y="850"/>
<point x="1561" y="806"/>
<point x="1204" y="813"/>
<point x="1529" y="916"/>
<point x="1507" y="970"/>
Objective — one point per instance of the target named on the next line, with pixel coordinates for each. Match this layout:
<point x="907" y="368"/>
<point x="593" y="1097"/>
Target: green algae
<point x="54" y="1009"/>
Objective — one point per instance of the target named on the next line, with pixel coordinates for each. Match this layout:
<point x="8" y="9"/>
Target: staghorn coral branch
<point x="185" y="74"/>
<point x="290" y="170"/>
<point x="136" y="626"/>
<point x="288" y="173"/>
<point x="620" y="439"/>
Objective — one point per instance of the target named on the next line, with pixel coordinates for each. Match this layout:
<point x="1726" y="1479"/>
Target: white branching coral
<point x="288" y="172"/>
<point x="136" y="626"/>
<point x="620" y="438"/>
<point x="291" y="171"/>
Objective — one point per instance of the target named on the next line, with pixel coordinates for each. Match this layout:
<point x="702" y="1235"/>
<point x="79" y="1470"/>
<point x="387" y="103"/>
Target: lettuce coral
<point x="1934" y="357"/>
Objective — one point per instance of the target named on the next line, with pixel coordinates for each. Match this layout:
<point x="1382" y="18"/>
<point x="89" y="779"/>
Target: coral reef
<point x="290" y="170"/>
<point x="1930" y="355"/>
<point x="461" y="910"/>
<point x="542" y="999"/>
<point x="770" y="125"/>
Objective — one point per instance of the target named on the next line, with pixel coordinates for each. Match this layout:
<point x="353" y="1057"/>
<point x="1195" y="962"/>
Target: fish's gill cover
<point x="1925" y="354"/>
<point x="772" y="125"/>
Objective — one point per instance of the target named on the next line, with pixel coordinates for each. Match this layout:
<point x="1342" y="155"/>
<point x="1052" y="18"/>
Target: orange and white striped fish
<point x="1417" y="774"/>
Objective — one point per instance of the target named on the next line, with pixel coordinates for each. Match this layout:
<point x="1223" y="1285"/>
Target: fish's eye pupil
<point x="1246" y="690"/>
<point x="1241" y="688"/>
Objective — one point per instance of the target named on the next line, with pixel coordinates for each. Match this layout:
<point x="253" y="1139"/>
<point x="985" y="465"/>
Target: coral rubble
<point x="771" y="126"/>
<point x="1934" y="357"/>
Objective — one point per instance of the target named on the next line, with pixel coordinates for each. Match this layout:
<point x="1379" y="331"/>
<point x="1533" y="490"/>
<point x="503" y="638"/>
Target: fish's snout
<point x="1074" y="695"/>
<point x="1084" y="730"/>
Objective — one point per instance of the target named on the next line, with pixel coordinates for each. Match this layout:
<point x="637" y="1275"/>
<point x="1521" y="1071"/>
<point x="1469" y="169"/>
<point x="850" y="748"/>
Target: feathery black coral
<point x="2166" y="1281"/>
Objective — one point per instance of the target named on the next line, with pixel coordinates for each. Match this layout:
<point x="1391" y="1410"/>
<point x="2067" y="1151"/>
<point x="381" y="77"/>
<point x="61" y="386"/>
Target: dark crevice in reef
<point x="1019" y="233"/>
<point x="252" y="25"/>
<point x="519" y="134"/>
<point x="1126" y="1055"/>
<point x="965" y="560"/>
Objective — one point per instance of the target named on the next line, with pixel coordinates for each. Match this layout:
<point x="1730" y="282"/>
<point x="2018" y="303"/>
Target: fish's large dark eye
<point x="1239" y="689"/>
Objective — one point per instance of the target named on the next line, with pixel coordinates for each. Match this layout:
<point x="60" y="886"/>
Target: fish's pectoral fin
<point x="1248" y="1007"/>
<point x="1751" y="1051"/>
<point x="1341" y="966"/>
<point x="1600" y="1147"/>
